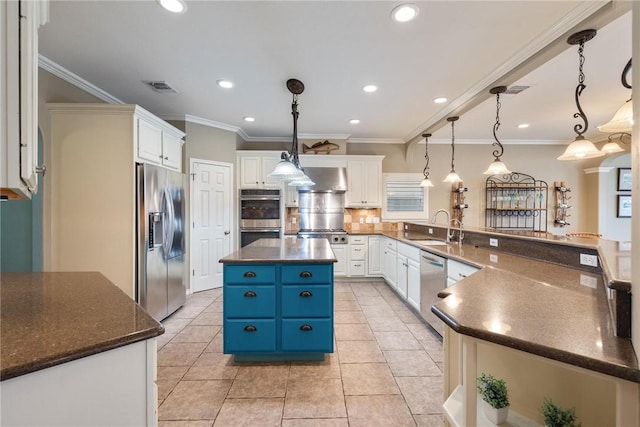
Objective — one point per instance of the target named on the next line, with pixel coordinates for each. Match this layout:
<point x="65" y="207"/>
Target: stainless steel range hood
<point x="326" y="179"/>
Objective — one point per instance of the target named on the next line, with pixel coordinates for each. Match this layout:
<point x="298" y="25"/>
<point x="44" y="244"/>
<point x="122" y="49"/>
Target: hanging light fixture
<point x="497" y="167"/>
<point x="426" y="182"/>
<point x="453" y="176"/>
<point x="580" y="148"/>
<point x="288" y="168"/>
<point x="613" y="147"/>
<point x="622" y="121"/>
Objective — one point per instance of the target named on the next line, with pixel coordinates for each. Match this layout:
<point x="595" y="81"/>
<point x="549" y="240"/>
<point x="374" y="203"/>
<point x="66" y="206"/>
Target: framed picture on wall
<point x="624" y="206"/>
<point x="624" y="179"/>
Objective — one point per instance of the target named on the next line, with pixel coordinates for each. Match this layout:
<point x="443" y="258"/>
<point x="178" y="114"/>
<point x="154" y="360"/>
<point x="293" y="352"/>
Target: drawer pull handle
<point x="305" y="274"/>
<point x="305" y="294"/>
<point x="249" y="294"/>
<point x="250" y="328"/>
<point x="306" y="328"/>
<point x="462" y="275"/>
<point x="249" y="274"/>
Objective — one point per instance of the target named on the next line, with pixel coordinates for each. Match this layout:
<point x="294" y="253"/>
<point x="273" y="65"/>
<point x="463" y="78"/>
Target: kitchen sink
<point x="429" y="242"/>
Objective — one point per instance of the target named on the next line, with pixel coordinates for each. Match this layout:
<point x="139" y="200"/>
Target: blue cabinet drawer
<point x="306" y="273"/>
<point x="249" y="335"/>
<point x="244" y="274"/>
<point x="306" y="301"/>
<point x="310" y="335"/>
<point x="249" y="301"/>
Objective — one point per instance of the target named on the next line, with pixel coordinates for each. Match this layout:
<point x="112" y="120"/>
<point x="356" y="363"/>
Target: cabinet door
<point x="268" y="164"/>
<point x="149" y="142"/>
<point x="413" y="283"/>
<point x="354" y="195"/>
<point x="250" y="172"/>
<point x="374" y="257"/>
<point x="291" y="194"/>
<point x="340" y="267"/>
<point x="401" y="284"/>
<point x="390" y="268"/>
<point x="371" y="183"/>
<point x="172" y="151"/>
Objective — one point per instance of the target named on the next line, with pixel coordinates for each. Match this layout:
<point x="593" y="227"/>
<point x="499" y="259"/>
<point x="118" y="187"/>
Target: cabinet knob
<point x="250" y="328"/>
<point x="306" y="328"/>
<point x="41" y="169"/>
<point x="249" y="274"/>
<point x="166" y="157"/>
<point x="250" y="294"/>
<point x="305" y="294"/>
<point x="305" y="274"/>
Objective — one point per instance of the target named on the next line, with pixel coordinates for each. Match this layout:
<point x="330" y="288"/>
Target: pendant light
<point x="580" y="148"/>
<point x="426" y="182"/>
<point x="453" y="176"/>
<point x="613" y="147"/>
<point x="497" y="167"/>
<point x="288" y="169"/>
<point x="622" y="121"/>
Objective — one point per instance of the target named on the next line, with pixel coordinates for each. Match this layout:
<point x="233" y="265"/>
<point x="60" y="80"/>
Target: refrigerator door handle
<point x="169" y="219"/>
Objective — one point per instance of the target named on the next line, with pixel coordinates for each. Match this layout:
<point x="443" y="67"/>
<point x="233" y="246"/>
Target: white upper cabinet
<point x="254" y="169"/>
<point x="364" y="179"/>
<point x="19" y="22"/>
<point x="158" y="142"/>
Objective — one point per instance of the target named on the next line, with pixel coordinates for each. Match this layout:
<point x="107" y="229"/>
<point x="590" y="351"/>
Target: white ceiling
<point x="456" y="49"/>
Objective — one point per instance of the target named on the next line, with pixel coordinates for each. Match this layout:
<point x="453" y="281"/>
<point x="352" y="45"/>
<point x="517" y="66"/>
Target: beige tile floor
<point x="386" y="370"/>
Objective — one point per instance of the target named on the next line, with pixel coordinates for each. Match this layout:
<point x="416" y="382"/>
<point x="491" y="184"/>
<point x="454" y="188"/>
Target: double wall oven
<point x="260" y="215"/>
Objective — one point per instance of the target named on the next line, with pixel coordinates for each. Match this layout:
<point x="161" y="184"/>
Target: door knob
<point x="227" y="232"/>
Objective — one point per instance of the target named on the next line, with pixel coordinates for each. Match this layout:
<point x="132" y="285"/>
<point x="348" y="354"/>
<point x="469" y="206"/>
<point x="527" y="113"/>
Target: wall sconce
<point x="426" y="182"/>
<point x="288" y="168"/>
<point x="453" y="176"/>
<point x="580" y="148"/>
<point x="497" y="167"/>
<point x="622" y="121"/>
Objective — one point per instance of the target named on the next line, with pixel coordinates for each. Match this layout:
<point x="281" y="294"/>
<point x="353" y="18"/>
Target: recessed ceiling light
<point x="523" y="125"/>
<point x="225" y="84"/>
<point x="354" y="121"/>
<point x="404" y="12"/>
<point x="175" y="6"/>
<point x="440" y="100"/>
<point x="249" y="119"/>
<point x="370" y="88"/>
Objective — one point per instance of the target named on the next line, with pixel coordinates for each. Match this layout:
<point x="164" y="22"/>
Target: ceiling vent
<point x="160" y="86"/>
<point x="513" y="90"/>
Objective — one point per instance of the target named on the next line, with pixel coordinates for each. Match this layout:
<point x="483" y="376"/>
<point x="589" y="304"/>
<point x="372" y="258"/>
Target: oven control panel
<point x="342" y="238"/>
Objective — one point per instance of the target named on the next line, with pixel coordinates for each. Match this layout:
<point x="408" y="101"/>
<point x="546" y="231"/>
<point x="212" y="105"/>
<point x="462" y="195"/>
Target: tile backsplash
<point x="355" y="220"/>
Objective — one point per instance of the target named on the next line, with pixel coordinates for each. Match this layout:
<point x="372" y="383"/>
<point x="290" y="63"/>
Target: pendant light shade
<point x="580" y="148"/>
<point x="611" y="148"/>
<point x="289" y="169"/>
<point x="497" y="167"/>
<point x="622" y="121"/>
<point x="426" y="182"/>
<point x="453" y="176"/>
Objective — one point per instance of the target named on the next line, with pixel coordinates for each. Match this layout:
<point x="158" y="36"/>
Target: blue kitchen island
<point x="278" y="300"/>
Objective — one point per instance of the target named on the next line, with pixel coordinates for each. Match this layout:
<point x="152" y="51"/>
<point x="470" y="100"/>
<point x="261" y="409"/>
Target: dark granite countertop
<point x="541" y="308"/>
<point x="286" y="250"/>
<point x="47" y="319"/>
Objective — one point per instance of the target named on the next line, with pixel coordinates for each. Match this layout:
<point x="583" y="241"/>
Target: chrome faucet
<point x="460" y="233"/>
<point x="433" y="221"/>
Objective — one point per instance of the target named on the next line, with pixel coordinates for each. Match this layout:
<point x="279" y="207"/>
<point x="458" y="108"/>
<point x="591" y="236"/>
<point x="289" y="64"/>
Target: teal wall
<point x="21" y="231"/>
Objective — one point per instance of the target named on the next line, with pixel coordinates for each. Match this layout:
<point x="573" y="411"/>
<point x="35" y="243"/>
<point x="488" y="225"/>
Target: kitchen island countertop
<point x="52" y="318"/>
<point x="288" y="249"/>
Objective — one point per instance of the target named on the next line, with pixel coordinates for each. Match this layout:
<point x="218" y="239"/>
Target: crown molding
<point x="376" y="141"/>
<point x="491" y="141"/>
<point x="599" y="169"/>
<point x="74" y="79"/>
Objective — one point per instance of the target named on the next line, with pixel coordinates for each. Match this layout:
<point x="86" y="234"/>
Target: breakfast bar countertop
<point x="47" y="319"/>
<point x="287" y="250"/>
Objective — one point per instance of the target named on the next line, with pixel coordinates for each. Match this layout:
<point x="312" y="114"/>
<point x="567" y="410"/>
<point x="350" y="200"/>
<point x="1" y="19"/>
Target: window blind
<point x="404" y="196"/>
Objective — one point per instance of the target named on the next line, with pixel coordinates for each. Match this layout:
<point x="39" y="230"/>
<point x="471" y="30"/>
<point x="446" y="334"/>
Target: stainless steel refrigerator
<point x="160" y="284"/>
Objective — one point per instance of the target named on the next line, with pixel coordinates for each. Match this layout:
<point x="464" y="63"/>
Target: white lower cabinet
<point x="114" y="388"/>
<point x="457" y="271"/>
<point x="408" y="262"/>
<point x="374" y="256"/>
<point x="413" y="283"/>
<point x="340" y="267"/>
<point x="358" y="248"/>
<point x="389" y="266"/>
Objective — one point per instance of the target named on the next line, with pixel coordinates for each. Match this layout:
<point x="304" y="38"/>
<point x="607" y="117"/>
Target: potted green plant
<point x="495" y="398"/>
<point x="554" y="416"/>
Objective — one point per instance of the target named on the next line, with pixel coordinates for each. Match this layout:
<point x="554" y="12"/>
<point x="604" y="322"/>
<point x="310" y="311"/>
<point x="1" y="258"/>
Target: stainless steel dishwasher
<point x="433" y="279"/>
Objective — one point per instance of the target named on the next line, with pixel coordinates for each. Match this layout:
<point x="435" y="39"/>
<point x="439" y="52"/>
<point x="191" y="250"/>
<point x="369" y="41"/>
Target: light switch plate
<point x="493" y="242"/>
<point x="590" y="260"/>
<point x="430" y="230"/>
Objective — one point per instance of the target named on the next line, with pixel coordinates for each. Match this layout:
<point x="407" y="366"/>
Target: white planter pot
<point x="496" y="416"/>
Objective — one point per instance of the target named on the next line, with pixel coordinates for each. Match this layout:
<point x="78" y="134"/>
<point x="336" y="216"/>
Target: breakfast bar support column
<point x="627" y="403"/>
<point x="469" y="374"/>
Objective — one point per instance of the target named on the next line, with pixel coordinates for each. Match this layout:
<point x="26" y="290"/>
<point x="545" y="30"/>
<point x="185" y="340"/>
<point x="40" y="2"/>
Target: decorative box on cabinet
<point x="92" y="184"/>
<point x="278" y="311"/>
<point x="364" y="183"/>
<point x="19" y="22"/>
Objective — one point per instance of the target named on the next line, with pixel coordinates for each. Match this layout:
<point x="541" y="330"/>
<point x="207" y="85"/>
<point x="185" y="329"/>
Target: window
<point x="403" y="197"/>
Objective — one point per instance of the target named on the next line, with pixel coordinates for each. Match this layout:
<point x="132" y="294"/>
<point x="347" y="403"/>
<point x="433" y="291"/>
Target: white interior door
<point x="211" y="213"/>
